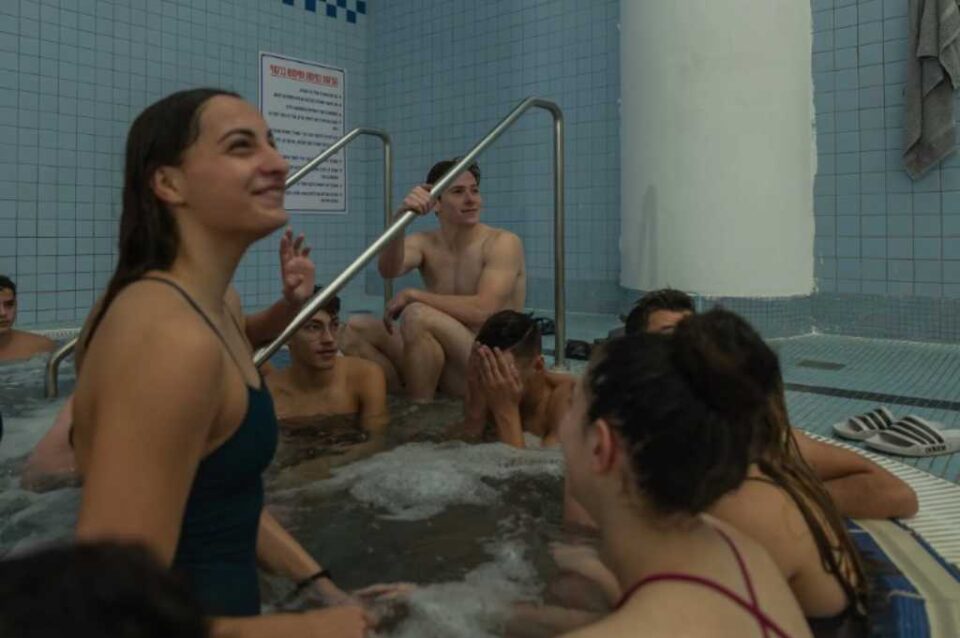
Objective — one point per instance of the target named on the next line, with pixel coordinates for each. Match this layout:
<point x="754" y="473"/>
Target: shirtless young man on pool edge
<point x="469" y="270"/>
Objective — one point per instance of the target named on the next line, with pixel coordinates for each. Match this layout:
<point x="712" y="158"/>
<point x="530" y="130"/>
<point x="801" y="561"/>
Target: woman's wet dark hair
<point x="686" y="413"/>
<point x="148" y="233"/>
<point x="774" y="447"/>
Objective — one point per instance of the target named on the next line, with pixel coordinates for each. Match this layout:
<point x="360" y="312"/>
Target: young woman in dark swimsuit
<point x="660" y="428"/>
<point x="173" y="425"/>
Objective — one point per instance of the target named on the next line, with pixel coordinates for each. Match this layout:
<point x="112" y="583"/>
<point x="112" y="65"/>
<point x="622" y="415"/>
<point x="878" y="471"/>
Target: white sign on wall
<point x="303" y="104"/>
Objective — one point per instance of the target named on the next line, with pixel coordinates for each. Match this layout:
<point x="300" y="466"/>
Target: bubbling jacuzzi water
<point x="469" y="524"/>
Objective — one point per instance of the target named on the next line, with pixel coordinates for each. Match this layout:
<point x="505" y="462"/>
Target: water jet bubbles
<point x="419" y="480"/>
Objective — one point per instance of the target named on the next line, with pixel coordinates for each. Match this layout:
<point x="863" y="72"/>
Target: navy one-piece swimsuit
<point x="217" y="549"/>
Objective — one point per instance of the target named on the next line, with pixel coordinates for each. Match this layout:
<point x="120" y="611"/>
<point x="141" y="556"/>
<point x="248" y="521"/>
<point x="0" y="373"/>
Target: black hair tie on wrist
<point x="309" y="580"/>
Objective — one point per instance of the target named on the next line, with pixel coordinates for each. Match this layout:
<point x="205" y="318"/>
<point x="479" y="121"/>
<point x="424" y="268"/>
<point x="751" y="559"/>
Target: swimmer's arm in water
<point x="403" y="254"/>
<point x="279" y="553"/>
<point x="497" y="282"/>
<point x="139" y="441"/>
<point x="859" y="487"/>
<point x="51" y="463"/>
<point x="372" y="388"/>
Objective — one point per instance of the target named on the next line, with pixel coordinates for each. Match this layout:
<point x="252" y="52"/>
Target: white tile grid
<point x="79" y="74"/>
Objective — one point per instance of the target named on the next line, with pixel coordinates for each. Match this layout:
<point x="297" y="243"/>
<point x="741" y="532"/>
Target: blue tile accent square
<point x="342" y="4"/>
<point x="309" y="5"/>
<point x="361" y="7"/>
<point x="331" y="11"/>
<point x="351" y="16"/>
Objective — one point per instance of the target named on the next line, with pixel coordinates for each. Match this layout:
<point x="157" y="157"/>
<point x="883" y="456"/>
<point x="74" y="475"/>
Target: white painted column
<point x="717" y="146"/>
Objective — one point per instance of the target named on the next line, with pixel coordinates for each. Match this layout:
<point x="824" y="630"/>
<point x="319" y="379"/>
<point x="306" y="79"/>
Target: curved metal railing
<point x="394" y="230"/>
<point x="52" y="374"/>
<point x="51" y="390"/>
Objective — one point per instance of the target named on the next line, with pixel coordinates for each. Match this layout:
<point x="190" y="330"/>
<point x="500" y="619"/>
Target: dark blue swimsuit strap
<point x="193" y="304"/>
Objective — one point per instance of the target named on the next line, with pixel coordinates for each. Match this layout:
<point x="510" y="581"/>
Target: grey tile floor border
<point x="878" y="397"/>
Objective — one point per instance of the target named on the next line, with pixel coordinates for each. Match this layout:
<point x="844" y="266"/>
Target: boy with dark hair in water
<point x="17" y="344"/>
<point x="320" y="382"/>
<point x="659" y="311"/>
<point x="508" y="384"/>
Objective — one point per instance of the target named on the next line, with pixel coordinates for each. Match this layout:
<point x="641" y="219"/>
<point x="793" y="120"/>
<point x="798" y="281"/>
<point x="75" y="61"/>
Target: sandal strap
<point x="917" y="430"/>
<point x="872" y="421"/>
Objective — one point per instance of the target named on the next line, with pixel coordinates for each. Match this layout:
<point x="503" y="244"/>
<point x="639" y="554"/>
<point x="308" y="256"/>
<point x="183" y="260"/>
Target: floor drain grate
<point x="820" y="365"/>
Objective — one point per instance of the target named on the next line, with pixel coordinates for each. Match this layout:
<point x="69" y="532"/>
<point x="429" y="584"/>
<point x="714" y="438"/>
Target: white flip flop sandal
<point x="863" y="426"/>
<point x="915" y="436"/>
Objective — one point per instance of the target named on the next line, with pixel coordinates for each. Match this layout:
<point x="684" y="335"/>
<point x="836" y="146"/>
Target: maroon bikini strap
<point x="746" y="575"/>
<point x="762" y="618"/>
<point x="765" y="622"/>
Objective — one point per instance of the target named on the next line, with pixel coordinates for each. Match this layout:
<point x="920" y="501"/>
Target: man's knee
<point x="417" y="320"/>
<point x="358" y="329"/>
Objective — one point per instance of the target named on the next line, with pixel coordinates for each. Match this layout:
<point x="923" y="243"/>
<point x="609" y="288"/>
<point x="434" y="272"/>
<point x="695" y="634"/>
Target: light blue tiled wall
<point x="444" y="72"/>
<point x="73" y="75"/>
<point x="877" y="231"/>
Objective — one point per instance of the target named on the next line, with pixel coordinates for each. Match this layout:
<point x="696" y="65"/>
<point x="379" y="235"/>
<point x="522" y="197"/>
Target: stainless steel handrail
<point x="387" y="176"/>
<point x="53" y="365"/>
<point x="52" y="376"/>
<point x="391" y="233"/>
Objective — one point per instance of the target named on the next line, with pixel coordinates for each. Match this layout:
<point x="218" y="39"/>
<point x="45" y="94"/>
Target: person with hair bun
<point x="782" y="504"/>
<point x="658" y="431"/>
